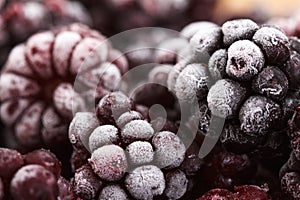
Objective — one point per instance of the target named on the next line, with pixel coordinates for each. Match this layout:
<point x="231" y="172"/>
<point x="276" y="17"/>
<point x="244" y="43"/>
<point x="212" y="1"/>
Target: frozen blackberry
<point x="169" y="149"/>
<point x="86" y="183"/>
<point x="258" y="114"/>
<point x="225" y="97"/>
<point x="145" y="182"/>
<point x="205" y="41"/>
<point x="294" y="132"/>
<point x="109" y="162"/>
<point x="192" y="83"/>
<point x="290" y="184"/>
<point x="111" y="106"/>
<point x="136" y="130"/>
<point x="239" y="29"/>
<point x="274" y="43"/>
<point x="292" y="69"/>
<point x="10" y="161"/>
<point x="127" y="117"/>
<point x="36" y="83"/>
<point x="34" y="182"/>
<point x="176" y="184"/>
<point x="103" y="135"/>
<point x="271" y="82"/>
<point x="217" y="64"/>
<point x="113" y="192"/>
<point x="66" y="191"/>
<point x="139" y="153"/>
<point x="245" y="60"/>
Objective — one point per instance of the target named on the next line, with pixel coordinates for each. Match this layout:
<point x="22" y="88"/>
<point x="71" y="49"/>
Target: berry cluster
<point x="35" y="175"/>
<point x="37" y="94"/>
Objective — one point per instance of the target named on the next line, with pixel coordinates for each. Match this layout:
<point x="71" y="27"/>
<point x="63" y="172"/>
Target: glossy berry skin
<point x="258" y="114"/>
<point x="34" y="182"/>
<point x="36" y="83"/>
<point x="10" y="162"/>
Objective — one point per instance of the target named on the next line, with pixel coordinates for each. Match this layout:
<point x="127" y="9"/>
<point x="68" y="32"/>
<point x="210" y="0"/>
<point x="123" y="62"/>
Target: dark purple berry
<point x="239" y="29"/>
<point x="103" y="135"/>
<point x="176" y="184"/>
<point x="10" y="161"/>
<point x="271" y="82"/>
<point x="79" y="157"/>
<point x="169" y="149"/>
<point x="290" y="184"/>
<point x="111" y="106"/>
<point x="192" y="83"/>
<point x="113" y="192"/>
<point x="66" y="190"/>
<point x="145" y="182"/>
<point x="245" y="60"/>
<point x="86" y="183"/>
<point x="136" y="130"/>
<point x="127" y="117"/>
<point x="292" y="70"/>
<point x="217" y="64"/>
<point x="274" y="43"/>
<point x="34" y="182"/>
<point x="258" y="114"/>
<point x="294" y="132"/>
<point x="205" y="41"/>
<point x="109" y="162"/>
<point x="139" y="153"/>
<point x="218" y="194"/>
<point x="246" y="192"/>
<point x="225" y="97"/>
<point x="290" y="103"/>
<point x="44" y="158"/>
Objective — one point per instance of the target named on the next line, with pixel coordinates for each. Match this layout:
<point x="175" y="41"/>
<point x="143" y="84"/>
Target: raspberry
<point x="221" y="194"/>
<point x="34" y="182"/>
<point x="37" y="78"/>
<point x="245" y="192"/>
<point x="86" y="183"/>
<point x="109" y="162"/>
<point x="113" y="192"/>
<point x="145" y="182"/>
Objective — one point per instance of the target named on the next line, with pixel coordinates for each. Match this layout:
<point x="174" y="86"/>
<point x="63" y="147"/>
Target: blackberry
<point x="217" y="64"/>
<point x="113" y="192"/>
<point x="290" y="184"/>
<point x="140" y="153"/>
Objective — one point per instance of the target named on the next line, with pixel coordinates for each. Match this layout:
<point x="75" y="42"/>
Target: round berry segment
<point x="140" y="153"/>
<point x="217" y="64"/>
<point x="113" y="192"/>
<point x="245" y="60"/>
<point x="137" y="130"/>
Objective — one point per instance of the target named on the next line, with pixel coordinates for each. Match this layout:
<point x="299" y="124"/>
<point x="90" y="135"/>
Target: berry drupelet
<point x="35" y="175"/>
<point x="38" y="99"/>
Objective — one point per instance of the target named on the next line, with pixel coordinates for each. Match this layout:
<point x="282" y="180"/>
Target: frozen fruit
<point x="274" y="44"/>
<point x="217" y="64"/>
<point x="258" y="114"/>
<point x="10" y="161"/>
<point x="34" y="182"/>
<point x="176" y="184"/>
<point x="66" y="191"/>
<point x="145" y="182"/>
<point x="221" y="194"/>
<point x="37" y="80"/>
<point x="271" y="82"/>
<point x="290" y="184"/>
<point x="225" y="97"/>
<point x="239" y="29"/>
<point x="169" y="149"/>
<point x="103" y="135"/>
<point x="109" y="162"/>
<point x="113" y="192"/>
<point x="86" y="183"/>
<point x="136" y="130"/>
<point x="127" y="117"/>
<point x="245" y="60"/>
<point x="139" y="153"/>
<point x="189" y="30"/>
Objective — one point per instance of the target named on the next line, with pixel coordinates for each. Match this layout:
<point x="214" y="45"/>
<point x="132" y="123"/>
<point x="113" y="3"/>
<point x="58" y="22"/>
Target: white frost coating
<point x="113" y="192"/>
<point x="140" y="152"/>
<point x="109" y="162"/>
<point x="137" y="130"/>
<point x="127" y="117"/>
<point x="192" y="83"/>
<point x="245" y="60"/>
<point x="145" y="182"/>
<point x="238" y="29"/>
<point x="217" y="64"/>
<point x="169" y="149"/>
<point x="17" y="105"/>
<point x="81" y="128"/>
<point x="12" y="86"/>
<point x="103" y="135"/>
<point x="174" y="73"/>
<point x="62" y="49"/>
<point x="176" y="184"/>
<point x="224" y="98"/>
<point x="192" y="28"/>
